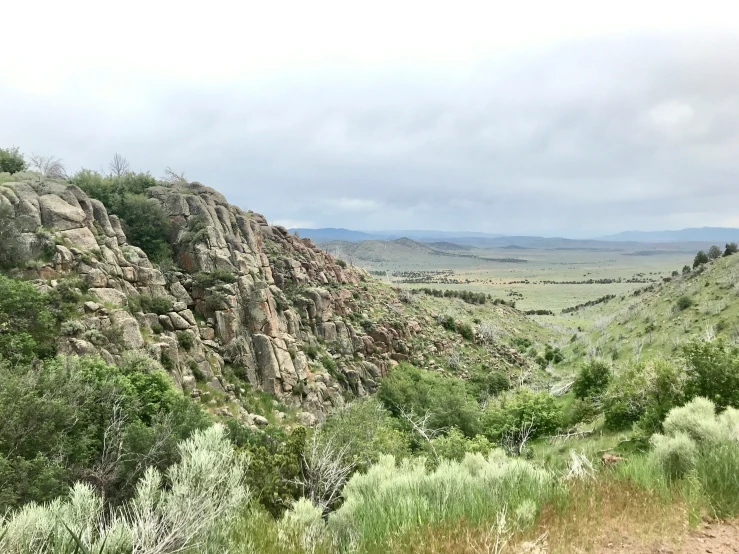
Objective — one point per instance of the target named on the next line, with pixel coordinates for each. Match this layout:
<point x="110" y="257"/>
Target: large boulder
<point x="58" y="214"/>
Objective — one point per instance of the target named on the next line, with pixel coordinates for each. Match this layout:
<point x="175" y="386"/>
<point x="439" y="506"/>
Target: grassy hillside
<point x="704" y="302"/>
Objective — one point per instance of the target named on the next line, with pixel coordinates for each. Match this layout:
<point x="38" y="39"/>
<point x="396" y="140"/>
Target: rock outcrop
<point x="272" y="308"/>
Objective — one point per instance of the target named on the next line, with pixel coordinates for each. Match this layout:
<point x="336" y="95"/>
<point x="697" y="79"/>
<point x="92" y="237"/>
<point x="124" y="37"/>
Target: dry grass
<point x="605" y="515"/>
<point x="609" y="513"/>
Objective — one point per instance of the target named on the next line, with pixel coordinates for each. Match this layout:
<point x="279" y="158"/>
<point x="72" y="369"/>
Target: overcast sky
<point x="557" y="118"/>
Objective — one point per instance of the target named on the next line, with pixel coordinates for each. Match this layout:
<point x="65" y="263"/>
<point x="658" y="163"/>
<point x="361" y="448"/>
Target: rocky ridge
<point x="247" y="298"/>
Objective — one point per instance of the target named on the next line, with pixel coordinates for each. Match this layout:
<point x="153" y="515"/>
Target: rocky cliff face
<point x="248" y="297"/>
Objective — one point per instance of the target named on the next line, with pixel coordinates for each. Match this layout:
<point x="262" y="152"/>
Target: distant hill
<point x="693" y="234"/>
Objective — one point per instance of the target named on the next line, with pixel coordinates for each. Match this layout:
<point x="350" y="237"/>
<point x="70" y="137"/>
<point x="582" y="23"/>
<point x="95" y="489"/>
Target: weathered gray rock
<point x="178" y="322"/>
<point x="58" y="214"/>
<point x="306" y="419"/>
<point x="109" y="296"/>
<point x="130" y="334"/>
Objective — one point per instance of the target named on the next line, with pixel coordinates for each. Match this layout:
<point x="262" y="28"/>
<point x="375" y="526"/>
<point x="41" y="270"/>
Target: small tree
<point x="731" y="248"/>
<point x="49" y="166"/>
<point x="119" y="165"/>
<point x="714" y="252"/>
<point x="593" y="379"/>
<point x="11" y="160"/>
<point x="686" y="269"/>
<point x="700" y="259"/>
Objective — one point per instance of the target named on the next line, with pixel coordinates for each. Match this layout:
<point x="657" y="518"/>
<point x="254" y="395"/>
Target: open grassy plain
<point x="552" y="278"/>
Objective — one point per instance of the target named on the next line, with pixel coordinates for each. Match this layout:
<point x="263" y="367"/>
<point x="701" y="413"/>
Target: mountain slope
<point x="655" y="320"/>
<point x="247" y="305"/>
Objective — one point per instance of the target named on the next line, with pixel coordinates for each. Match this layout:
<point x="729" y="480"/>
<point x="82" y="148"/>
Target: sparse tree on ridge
<point x="49" y="166"/>
<point x="731" y="248"/>
<point x="686" y="269"/>
<point x="11" y="160"/>
<point x="119" y="165"/>
<point x="714" y="252"/>
<point x="700" y="259"/>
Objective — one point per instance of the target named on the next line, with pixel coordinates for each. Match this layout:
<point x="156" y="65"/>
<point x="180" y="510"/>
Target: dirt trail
<point x="710" y="538"/>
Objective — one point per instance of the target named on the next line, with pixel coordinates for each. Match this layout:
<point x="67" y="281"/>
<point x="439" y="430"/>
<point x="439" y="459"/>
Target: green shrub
<point x="367" y="430"/>
<point x="215" y="277"/>
<point x="714" y="252"/>
<point x="683" y="303"/>
<point x="448" y="323"/>
<point x="593" y="379"/>
<point x="144" y="220"/>
<point x="675" y="454"/>
<point x="409" y="389"/>
<point x="582" y="410"/>
<point x="712" y="371"/>
<point x="466" y="331"/>
<point x="644" y="393"/>
<point x="340" y="263"/>
<point x="11" y="160"/>
<point x="185" y="339"/>
<point x="484" y="383"/>
<point x="157" y="328"/>
<point x="202" y="493"/>
<point x="311" y="350"/>
<point x="159" y="305"/>
<point x="700" y="259"/>
<point x="454" y="446"/>
<point x="511" y="411"/>
<point x="731" y="248"/>
<point x="27" y="326"/>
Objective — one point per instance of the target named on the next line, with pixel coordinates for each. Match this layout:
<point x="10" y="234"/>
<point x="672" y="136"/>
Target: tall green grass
<point x="717" y="471"/>
<point x="392" y="499"/>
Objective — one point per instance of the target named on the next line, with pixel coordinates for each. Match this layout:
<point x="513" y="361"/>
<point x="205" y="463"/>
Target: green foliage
<point x="731" y="248"/>
<point x="340" y="263"/>
<point x="593" y="379"/>
<point x="274" y="466"/>
<point x="511" y="411"/>
<point x="704" y="446"/>
<point x="159" y="305"/>
<point x="712" y="371"/>
<point x="644" y="393"/>
<point x="145" y="222"/>
<point x="27" y="326"/>
<point x="466" y="331"/>
<point x="202" y="493"/>
<point x="215" y="277"/>
<point x="55" y="416"/>
<point x="410" y="389"/>
<point x="484" y="383"/>
<point x="454" y="446"/>
<point x="686" y="269"/>
<point x="716" y="471"/>
<point x="683" y="303"/>
<point x="714" y="252"/>
<point x="311" y="350"/>
<point x="368" y="431"/>
<point x="389" y="498"/>
<point x="185" y="339"/>
<point x="676" y="454"/>
<point x="700" y="259"/>
<point x="11" y="160"/>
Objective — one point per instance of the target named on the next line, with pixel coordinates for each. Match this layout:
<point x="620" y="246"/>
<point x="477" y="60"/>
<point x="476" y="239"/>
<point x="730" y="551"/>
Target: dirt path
<point x="710" y="538"/>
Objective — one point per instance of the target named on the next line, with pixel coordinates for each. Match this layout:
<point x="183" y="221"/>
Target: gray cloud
<point x="592" y="136"/>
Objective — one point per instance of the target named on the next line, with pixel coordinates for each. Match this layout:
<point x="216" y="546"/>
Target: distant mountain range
<point x="328" y="234"/>
<point x="694" y="234"/>
<point x="718" y="235"/>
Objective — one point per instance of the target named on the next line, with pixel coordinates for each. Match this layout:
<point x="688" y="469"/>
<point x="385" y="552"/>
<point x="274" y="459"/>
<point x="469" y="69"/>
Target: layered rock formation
<point x="251" y="297"/>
